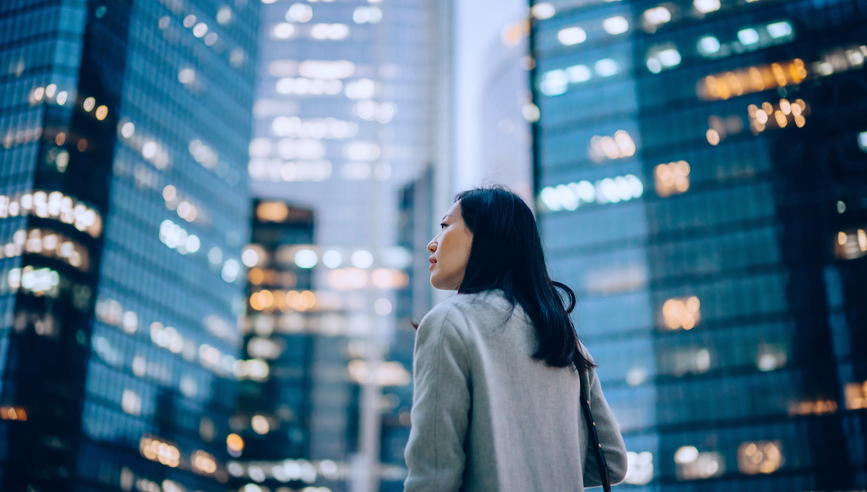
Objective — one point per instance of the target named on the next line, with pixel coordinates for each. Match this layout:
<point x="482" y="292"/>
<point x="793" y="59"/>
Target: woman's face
<point x="450" y="251"/>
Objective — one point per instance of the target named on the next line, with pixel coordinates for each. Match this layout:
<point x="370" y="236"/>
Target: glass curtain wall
<point x="714" y="148"/>
<point x="123" y="213"/>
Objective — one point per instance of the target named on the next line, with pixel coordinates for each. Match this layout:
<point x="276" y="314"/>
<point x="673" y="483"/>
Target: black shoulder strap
<point x="594" y="439"/>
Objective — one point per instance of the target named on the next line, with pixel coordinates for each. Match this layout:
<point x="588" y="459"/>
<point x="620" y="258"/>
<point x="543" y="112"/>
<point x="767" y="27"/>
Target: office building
<point x="295" y="402"/>
<point x="274" y="409"/>
<point x="351" y="105"/>
<point x="700" y="183"/>
<point x="123" y="211"/>
<point x="505" y="133"/>
<point x="305" y="358"/>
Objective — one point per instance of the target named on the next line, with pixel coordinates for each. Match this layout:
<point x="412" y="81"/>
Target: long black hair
<point x="507" y="254"/>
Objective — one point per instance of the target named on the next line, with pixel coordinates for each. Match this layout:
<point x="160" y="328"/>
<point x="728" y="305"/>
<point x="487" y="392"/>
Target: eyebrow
<point x="448" y="215"/>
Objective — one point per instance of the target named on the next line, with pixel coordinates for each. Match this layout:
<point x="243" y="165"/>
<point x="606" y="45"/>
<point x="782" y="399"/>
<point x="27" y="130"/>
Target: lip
<point x="432" y="263"/>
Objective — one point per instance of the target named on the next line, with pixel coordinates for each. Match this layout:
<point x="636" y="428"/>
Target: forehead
<point x="454" y="210"/>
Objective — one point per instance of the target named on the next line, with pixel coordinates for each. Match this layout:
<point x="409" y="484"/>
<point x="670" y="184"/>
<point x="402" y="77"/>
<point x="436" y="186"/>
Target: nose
<point x="432" y="246"/>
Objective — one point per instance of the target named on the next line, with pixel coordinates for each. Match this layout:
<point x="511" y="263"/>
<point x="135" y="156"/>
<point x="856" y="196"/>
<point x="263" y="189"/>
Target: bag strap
<point x="594" y="439"/>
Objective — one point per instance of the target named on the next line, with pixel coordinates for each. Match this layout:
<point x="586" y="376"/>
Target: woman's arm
<point x="435" y="453"/>
<point x="608" y="431"/>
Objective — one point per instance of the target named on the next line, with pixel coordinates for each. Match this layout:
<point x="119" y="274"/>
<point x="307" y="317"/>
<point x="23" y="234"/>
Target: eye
<point x="443" y="225"/>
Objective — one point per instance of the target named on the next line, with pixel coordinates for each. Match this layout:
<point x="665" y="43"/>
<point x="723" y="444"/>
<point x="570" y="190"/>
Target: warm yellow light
<point x="272" y="211"/>
<point x="155" y="449"/>
<point x="101" y="112"/>
<point x="759" y="457"/>
<point x="13" y="413"/>
<point x="266" y="298"/>
<point x="234" y="442"/>
<point x="204" y="462"/>
<point x="712" y="137"/>
<point x="781" y="119"/>
<point x="681" y="313"/>
<point x="255" y="276"/>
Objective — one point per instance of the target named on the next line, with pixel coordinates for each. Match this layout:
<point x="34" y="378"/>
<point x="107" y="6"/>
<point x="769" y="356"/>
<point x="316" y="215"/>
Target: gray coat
<point x="488" y="417"/>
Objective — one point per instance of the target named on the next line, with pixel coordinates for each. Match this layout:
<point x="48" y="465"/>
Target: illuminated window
<point x="663" y="57"/>
<point x="329" y="31"/>
<point x="54" y="205"/>
<point x="671" y="178"/>
<point x="260" y="425"/>
<point x="571" y="196"/>
<point x="760" y="457"/>
<point x="639" y="469"/>
<point x="856" y="395"/>
<point x="543" y="11"/>
<point x="606" y="67"/>
<point x="851" y="244"/>
<point x="299" y="12"/>
<point x="770" y="358"/>
<point x="692" y="464"/>
<point x="708" y="45"/>
<point x="203" y="462"/>
<point x="367" y="15"/>
<point x="13" y="413"/>
<point x="619" y="146"/>
<point x="748" y="36"/>
<point x="284" y="30"/>
<point x="681" y="312"/>
<point x="656" y="16"/>
<point x="813" y="407"/>
<point x="571" y="36"/>
<point x="725" y="85"/>
<point x="779" y="30"/>
<point x="705" y="6"/>
<point x="131" y="402"/>
<point x="156" y="449"/>
<point x="580" y="73"/>
<point x="615" y="25"/>
<point x="177" y="238"/>
<point x="554" y="83"/>
<point x="186" y="76"/>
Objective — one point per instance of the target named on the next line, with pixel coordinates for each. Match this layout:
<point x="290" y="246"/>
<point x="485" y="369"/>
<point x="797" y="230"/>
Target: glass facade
<point x="305" y="360"/>
<point x="341" y="124"/>
<point x="505" y="132"/>
<point x="341" y="111"/>
<point x="123" y="211"/>
<point x="700" y="182"/>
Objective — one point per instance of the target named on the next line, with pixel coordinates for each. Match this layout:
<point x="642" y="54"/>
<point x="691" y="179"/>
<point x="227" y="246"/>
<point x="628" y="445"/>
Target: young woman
<point x="498" y="369"/>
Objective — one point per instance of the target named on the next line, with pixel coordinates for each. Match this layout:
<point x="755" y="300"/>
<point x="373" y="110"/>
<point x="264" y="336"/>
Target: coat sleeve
<point x="613" y="447"/>
<point x="435" y="456"/>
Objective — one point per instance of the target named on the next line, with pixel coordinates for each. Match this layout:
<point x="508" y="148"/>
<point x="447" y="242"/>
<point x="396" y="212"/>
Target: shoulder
<point x="464" y="308"/>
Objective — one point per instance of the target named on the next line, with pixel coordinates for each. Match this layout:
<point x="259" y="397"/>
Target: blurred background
<point x="213" y="219"/>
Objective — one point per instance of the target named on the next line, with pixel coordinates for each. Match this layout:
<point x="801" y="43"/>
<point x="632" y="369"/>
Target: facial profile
<point x="450" y="251"/>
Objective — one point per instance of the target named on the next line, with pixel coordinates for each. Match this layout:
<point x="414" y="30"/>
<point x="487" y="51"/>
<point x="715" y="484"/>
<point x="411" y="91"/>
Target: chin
<point x="438" y="284"/>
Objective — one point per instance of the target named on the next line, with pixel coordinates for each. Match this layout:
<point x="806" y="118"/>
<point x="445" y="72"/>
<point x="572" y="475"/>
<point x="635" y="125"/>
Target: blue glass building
<point x="123" y="211"/>
<point x="700" y="181"/>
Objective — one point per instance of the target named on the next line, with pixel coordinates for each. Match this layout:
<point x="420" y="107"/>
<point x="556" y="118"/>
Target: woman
<point x="498" y="368"/>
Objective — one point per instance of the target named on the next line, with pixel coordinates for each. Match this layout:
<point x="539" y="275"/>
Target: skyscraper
<point x="123" y="205"/>
<point x="274" y="409"/>
<point x="699" y="181"/>
<point x="347" y="99"/>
